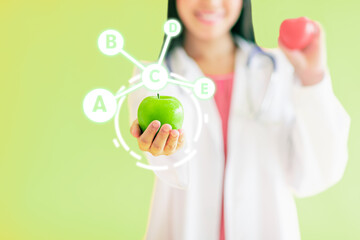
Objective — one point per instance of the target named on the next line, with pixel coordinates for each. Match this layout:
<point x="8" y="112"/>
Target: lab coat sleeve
<point x="177" y="177"/>
<point x="318" y="138"/>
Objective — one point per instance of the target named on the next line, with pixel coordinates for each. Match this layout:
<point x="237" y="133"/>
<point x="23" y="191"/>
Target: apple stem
<point x="158" y="96"/>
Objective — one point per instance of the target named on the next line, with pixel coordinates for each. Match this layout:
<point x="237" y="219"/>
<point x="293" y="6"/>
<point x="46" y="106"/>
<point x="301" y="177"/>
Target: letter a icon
<point x="99" y="104"/>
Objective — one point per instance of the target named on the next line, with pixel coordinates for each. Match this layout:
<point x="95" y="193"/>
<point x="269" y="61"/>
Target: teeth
<point x="209" y="16"/>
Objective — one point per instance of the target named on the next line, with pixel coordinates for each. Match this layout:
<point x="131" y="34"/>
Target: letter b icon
<point x="110" y="42"/>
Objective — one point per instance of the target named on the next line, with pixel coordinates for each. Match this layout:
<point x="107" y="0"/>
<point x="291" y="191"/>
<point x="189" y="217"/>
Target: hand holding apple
<point x="166" y="142"/>
<point x="303" y="42"/>
<point x="152" y="136"/>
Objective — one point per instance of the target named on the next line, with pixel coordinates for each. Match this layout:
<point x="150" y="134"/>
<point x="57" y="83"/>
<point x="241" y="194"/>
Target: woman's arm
<point x="176" y="177"/>
<point x="319" y="132"/>
<point x="318" y="138"/>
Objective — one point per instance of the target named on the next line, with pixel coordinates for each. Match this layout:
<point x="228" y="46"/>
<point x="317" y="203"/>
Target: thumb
<point x="295" y="56"/>
<point x="135" y="129"/>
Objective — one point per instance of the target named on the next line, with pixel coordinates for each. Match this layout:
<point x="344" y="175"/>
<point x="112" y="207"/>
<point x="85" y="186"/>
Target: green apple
<point x="166" y="109"/>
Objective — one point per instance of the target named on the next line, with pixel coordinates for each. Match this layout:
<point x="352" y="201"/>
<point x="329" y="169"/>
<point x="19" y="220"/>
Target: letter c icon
<point x="154" y="75"/>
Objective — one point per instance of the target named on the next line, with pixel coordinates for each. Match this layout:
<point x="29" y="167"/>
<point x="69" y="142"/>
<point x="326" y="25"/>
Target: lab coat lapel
<point x="185" y="66"/>
<point x="239" y="105"/>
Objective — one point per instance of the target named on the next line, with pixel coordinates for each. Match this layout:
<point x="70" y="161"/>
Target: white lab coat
<point x="297" y="148"/>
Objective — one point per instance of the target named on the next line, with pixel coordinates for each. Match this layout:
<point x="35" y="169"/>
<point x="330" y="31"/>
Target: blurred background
<point x="61" y="176"/>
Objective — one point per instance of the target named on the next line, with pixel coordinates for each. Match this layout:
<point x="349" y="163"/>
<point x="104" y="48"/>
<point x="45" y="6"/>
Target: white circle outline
<point x="120" y="41"/>
<point x="190" y="155"/>
<point x="103" y="92"/>
<point x="178" y="25"/>
<point x="148" y="83"/>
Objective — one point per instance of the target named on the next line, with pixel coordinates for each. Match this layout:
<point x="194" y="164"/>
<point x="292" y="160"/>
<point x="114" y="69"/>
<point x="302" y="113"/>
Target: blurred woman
<point x="250" y="160"/>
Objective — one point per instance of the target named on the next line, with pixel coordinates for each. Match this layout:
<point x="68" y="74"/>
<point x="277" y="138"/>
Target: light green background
<point x="61" y="176"/>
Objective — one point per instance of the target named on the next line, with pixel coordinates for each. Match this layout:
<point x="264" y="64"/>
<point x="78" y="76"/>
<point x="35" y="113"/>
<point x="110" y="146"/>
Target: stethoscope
<point x="267" y="99"/>
<point x="264" y="106"/>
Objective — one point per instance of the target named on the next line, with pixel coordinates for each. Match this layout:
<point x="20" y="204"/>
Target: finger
<point x="158" y="145"/>
<point x="295" y="56"/>
<point x="135" y="129"/>
<point x="322" y="43"/>
<point x="315" y="40"/>
<point x="317" y="45"/>
<point x="147" y="137"/>
<point x="171" y="143"/>
<point x="181" y="140"/>
<point x="319" y="30"/>
<point x="286" y="51"/>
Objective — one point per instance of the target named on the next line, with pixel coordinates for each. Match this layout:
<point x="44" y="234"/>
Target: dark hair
<point x="243" y="26"/>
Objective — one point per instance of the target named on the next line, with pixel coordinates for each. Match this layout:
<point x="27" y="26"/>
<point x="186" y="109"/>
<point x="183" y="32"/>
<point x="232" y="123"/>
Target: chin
<point x="210" y="32"/>
<point x="208" y="35"/>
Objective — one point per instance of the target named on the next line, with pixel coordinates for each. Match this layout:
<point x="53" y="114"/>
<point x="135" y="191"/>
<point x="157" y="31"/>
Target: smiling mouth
<point x="209" y="17"/>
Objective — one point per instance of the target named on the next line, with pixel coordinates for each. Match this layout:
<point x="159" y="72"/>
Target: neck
<point x="200" y="49"/>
